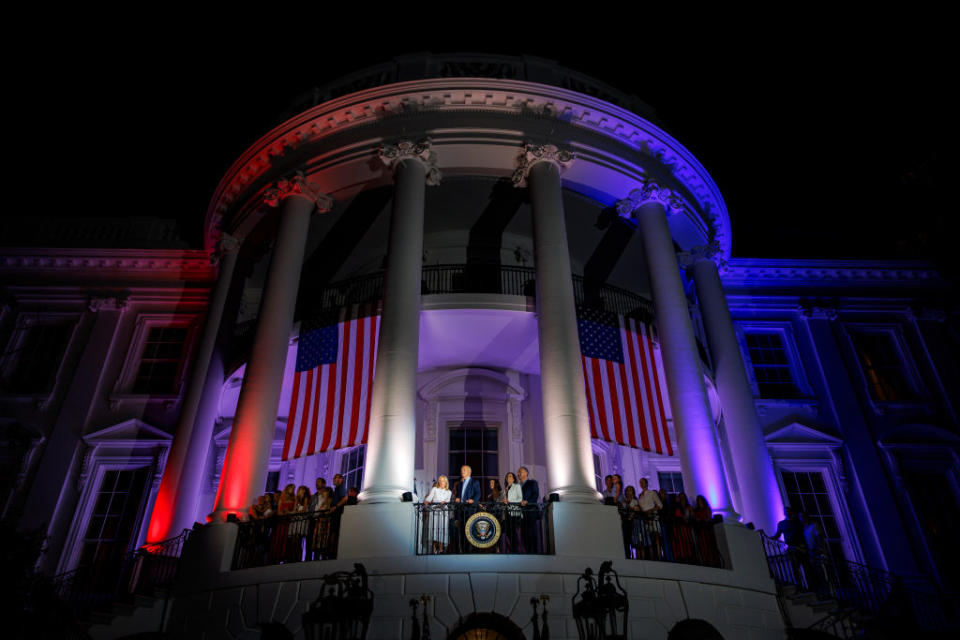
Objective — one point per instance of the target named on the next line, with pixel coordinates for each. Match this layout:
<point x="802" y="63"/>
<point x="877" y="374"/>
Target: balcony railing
<point x="452" y="528"/>
<point x="863" y="593"/>
<point x="296" y="537"/>
<point x="484" y="278"/>
<point x="140" y="572"/>
<point x="666" y="539"/>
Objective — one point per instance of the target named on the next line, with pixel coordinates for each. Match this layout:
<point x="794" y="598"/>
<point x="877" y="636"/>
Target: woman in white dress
<point x="438" y="533"/>
<point x="513" y="496"/>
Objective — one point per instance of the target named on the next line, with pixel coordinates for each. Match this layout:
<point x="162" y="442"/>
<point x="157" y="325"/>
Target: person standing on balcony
<point x="650" y="505"/>
<point x="436" y="504"/>
<point x="513" y="496"/>
<point x="531" y="520"/>
<point x="339" y="490"/>
<point x="466" y="493"/>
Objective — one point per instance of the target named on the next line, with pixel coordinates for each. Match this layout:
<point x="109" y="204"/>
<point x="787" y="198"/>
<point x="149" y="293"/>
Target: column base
<point x="377" y="530"/>
<point x="208" y="552"/>
<point x="577" y="493"/>
<point x="382" y="494"/>
<point x="742" y="551"/>
<point x="582" y="529"/>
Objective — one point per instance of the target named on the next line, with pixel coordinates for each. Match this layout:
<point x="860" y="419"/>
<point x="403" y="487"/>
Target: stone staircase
<point x="810" y="616"/>
<point x="129" y="619"/>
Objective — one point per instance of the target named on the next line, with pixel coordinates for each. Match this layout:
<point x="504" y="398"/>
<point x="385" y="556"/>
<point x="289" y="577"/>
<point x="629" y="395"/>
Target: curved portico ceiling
<point x="477" y="126"/>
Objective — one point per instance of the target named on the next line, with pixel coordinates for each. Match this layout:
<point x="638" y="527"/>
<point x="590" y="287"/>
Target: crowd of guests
<point x="294" y="525"/>
<point x="513" y="504"/>
<point x="661" y="526"/>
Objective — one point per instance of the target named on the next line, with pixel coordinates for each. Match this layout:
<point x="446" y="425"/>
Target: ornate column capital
<point x="649" y="193"/>
<point x="534" y="153"/>
<point x="710" y="251"/>
<point x="297" y="185"/>
<point x="226" y="243"/>
<point x="392" y="155"/>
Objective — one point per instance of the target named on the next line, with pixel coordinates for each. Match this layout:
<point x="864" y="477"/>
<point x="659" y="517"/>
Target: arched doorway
<point x="486" y="626"/>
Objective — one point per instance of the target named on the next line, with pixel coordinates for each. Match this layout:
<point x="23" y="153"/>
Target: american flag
<point x="624" y="398"/>
<point x="330" y="403"/>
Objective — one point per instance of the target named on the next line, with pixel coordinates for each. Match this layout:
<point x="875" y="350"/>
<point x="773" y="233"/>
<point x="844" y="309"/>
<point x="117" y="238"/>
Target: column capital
<point x="649" y="193"/>
<point x="297" y="185"/>
<point x="392" y="155"/>
<point x="534" y="153"/>
<point x="226" y="244"/>
<point x="710" y="251"/>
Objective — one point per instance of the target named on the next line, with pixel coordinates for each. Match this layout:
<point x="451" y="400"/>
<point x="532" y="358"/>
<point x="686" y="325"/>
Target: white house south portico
<point x="427" y="270"/>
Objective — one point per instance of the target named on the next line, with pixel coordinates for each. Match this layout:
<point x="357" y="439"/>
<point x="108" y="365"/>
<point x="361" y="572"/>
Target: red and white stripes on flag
<point x="330" y="402"/>
<point x="624" y="397"/>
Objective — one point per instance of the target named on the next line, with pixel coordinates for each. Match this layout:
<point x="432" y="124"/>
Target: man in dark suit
<point x="466" y="490"/>
<point x="466" y="493"/>
<point x="531" y="512"/>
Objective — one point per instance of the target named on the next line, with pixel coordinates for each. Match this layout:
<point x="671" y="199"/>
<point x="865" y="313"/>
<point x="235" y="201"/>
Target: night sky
<point x="827" y="140"/>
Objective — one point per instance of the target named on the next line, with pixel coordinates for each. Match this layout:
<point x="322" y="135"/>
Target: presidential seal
<point x="483" y="530"/>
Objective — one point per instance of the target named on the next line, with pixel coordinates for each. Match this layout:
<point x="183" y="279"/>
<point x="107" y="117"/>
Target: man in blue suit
<point x="466" y="490"/>
<point x="466" y="493"/>
<point x="531" y="512"/>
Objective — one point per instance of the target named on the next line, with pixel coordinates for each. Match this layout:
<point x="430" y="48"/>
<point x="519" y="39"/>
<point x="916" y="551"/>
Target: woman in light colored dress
<point x="438" y="533"/>
<point x="513" y="496"/>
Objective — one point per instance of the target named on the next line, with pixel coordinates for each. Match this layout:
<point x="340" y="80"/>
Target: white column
<point x="251" y="438"/>
<point x="697" y="444"/>
<point x="176" y="503"/>
<point x="391" y="437"/>
<point x="759" y="493"/>
<point x="578" y="522"/>
<point x="566" y="423"/>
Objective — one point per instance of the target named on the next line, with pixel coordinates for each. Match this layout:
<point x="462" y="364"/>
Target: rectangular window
<point x="273" y="482"/>
<point x="598" y="473"/>
<point x="883" y="366"/>
<point x="351" y="466"/>
<point x="670" y="481"/>
<point x="476" y="446"/>
<point x="807" y="493"/>
<point x="160" y="360"/>
<point x="771" y="365"/>
<point x="115" y="514"/>
<point x="36" y="352"/>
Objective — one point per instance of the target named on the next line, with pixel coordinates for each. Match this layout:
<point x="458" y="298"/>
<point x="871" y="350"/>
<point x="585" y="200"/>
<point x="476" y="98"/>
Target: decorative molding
<point x="226" y="243"/>
<point x="742" y="271"/>
<point x="177" y="263"/>
<point x="298" y="185"/>
<point x="391" y="155"/>
<point x="517" y="98"/>
<point x="818" y="312"/>
<point x="649" y="193"/>
<point x="104" y="301"/>
<point x="535" y="153"/>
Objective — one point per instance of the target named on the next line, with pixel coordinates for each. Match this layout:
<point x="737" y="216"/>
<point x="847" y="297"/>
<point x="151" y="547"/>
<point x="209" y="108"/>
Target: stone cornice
<point x="148" y="263"/>
<point x="512" y="97"/>
<point x="744" y="271"/>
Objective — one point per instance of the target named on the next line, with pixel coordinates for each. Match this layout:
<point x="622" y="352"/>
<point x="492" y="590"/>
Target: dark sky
<point x="827" y="140"/>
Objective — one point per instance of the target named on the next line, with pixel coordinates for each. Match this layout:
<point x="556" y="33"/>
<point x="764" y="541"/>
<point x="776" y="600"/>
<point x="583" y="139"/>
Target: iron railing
<point x="442" y="529"/>
<point x="139" y="572"/>
<point x="485" y="278"/>
<point x="662" y="538"/>
<point x="295" y="537"/>
<point x="862" y="592"/>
